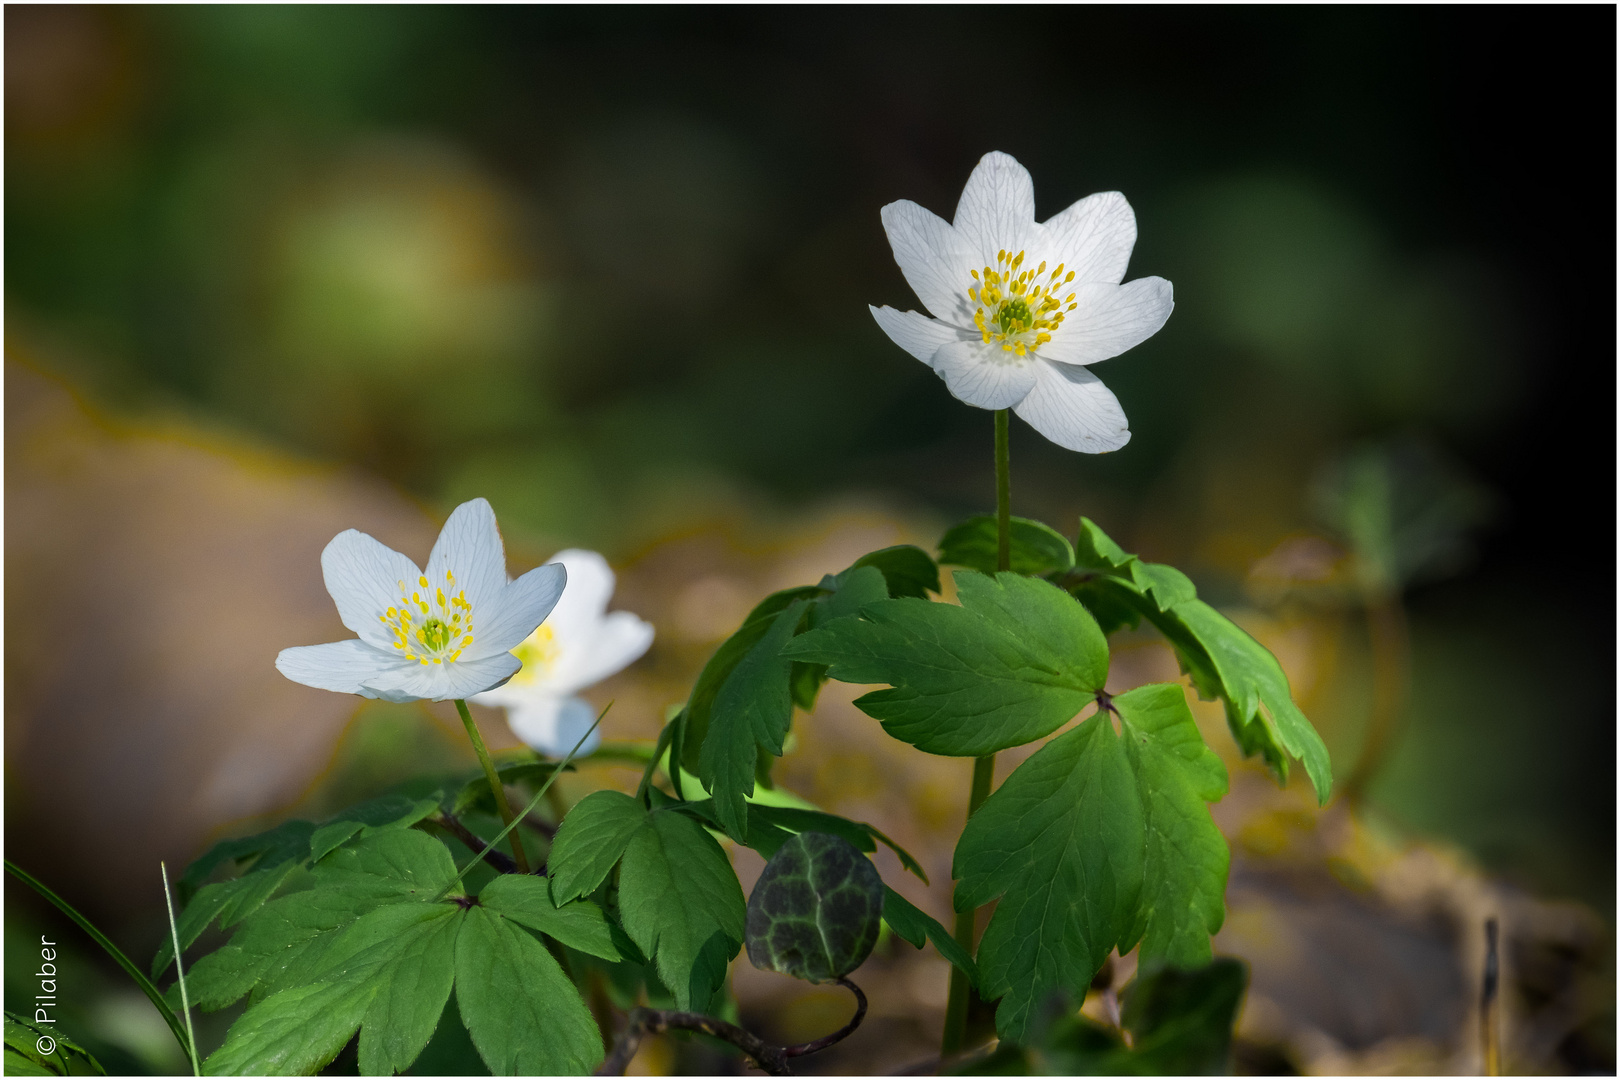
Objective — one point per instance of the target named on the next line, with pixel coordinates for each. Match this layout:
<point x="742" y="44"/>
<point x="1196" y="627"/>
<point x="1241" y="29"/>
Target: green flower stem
<point x="984" y="768"/>
<point x="495" y="787"/>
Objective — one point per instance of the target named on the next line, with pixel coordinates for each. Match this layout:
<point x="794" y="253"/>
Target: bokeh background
<point x="272" y="272"/>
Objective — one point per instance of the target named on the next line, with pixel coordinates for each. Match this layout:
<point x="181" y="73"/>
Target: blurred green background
<point x="609" y="268"/>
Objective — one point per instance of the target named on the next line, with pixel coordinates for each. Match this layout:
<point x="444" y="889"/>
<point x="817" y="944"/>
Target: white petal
<point x="919" y="335"/>
<point x="585" y="599"/>
<point x="985" y="375"/>
<point x="997" y="208"/>
<point x="499" y="626"/>
<point x="440" y="682"/>
<point x="553" y="725"/>
<point x="345" y="667"/>
<point x="1094" y="238"/>
<point x="363" y="576"/>
<point x="1071" y="406"/>
<point x="618" y="642"/>
<point x="469" y="546"/>
<point x="1109" y="320"/>
<point x="934" y="258"/>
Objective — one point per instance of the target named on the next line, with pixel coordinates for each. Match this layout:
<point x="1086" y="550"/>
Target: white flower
<point x="446" y="632"/>
<point x="579" y="645"/>
<point x="1021" y="307"/>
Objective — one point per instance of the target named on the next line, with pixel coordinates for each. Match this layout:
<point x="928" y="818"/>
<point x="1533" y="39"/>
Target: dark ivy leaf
<point x="1035" y="549"/>
<point x="815" y="910"/>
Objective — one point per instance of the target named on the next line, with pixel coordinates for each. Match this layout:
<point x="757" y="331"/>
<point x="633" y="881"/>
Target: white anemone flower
<point x="444" y="632"/>
<point x="1020" y="306"/>
<point x="579" y="645"/>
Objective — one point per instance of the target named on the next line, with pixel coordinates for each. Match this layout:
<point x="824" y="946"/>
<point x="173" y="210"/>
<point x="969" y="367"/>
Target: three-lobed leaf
<point x="1223" y="660"/>
<point x="590" y="841"/>
<point x="1061" y="844"/>
<point x="815" y="910"/>
<point x="680" y="902"/>
<point x="1018" y="659"/>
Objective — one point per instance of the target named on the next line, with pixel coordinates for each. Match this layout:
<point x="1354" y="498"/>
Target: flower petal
<point x="1109" y="320"/>
<point x="363" y="576"/>
<point x="997" y="207"/>
<point x="469" y="546"/>
<point x="553" y="725"/>
<point x="1094" y="238"/>
<point x="985" y="375"/>
<point x="520" y="607"/>
<point x="919" y="335"/>
<point x="344" y="667"/>
<point x="619" y="641"/>
<point x="583" y="603"/>
<point x="1071" y="406"/>
<point x="440" y="682"/>
<point x="934" y="259"/>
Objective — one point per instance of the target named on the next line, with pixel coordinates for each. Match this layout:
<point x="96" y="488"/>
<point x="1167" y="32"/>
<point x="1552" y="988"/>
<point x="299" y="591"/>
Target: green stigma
<point x="435" y="634"/>
<point x="1014" y="316"/>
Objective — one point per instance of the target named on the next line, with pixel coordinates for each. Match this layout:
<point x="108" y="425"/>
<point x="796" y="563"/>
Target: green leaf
<point x="329" y="838"/>
<point x="725" y="660"/>
<point x="1016" y="661"/>
<point x="289" y="840"/>
<point x="763" y="836"/>
<point x="1184" y="877"/>
<point x="590" y="840"/>
<point x="1061" y="843"/>
<point x="907" y="570"/>
<point x="523" y="1013"/>
<point x="1182" y="1019"/>
<point x="753" y="709"/>
<point x="1180" y="1023"/>
<point x="680" y="902"/>
<point x="526" y="899"/>
<point x="1035" y="549"/>
<point x="229" y="901"/>
<point x="388" y="974"/>
<point x="405" y="862"/>
<point x="815" y="910"/>
<point x="44" y="1051"/>
<point x="916" y="926"/>
<point x="389" y="812"/>
<point x="1222" y="659"/>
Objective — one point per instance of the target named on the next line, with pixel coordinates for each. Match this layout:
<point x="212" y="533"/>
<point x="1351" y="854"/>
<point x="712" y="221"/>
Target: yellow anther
<point x="422" y="581"/>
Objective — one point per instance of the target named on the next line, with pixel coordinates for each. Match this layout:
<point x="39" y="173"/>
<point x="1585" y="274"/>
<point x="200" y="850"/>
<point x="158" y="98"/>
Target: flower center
<point x="431" y="625"/>
<point x="538" y="652"/>
<point x="1017" y="307"/>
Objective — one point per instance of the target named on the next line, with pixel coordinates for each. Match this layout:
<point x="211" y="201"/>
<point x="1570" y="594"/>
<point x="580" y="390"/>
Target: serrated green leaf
<point x="725" y="659"/>
<point x="1180" y="1023"/>
<point x="329" y="838"/>
<point x="228" y="901"/>
<point x="1061" y="843"/>
<point x="1223" y="660"/>
<point x="523" y="1013"/>
<point x="25" y="1058"/>
<point x="680" y="902"/>
<point x="288" y="934"/>
<point x="907" y="570"/>
<point x="1035" y="548"/>
<point x="289" y="840"/>
<point x="1186" y="857"/>
<point x="916" y="926"/>
<point x="1182" y="1020"/>
<point x="590" y="840"/>
<point x="815" y="910"/>
<point x="1016" y="661"/>
<point x="392" y="811"/>
<point x="388" y="974"/>
<point x="753" y="709"/>
<point x="526" y="899"/>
